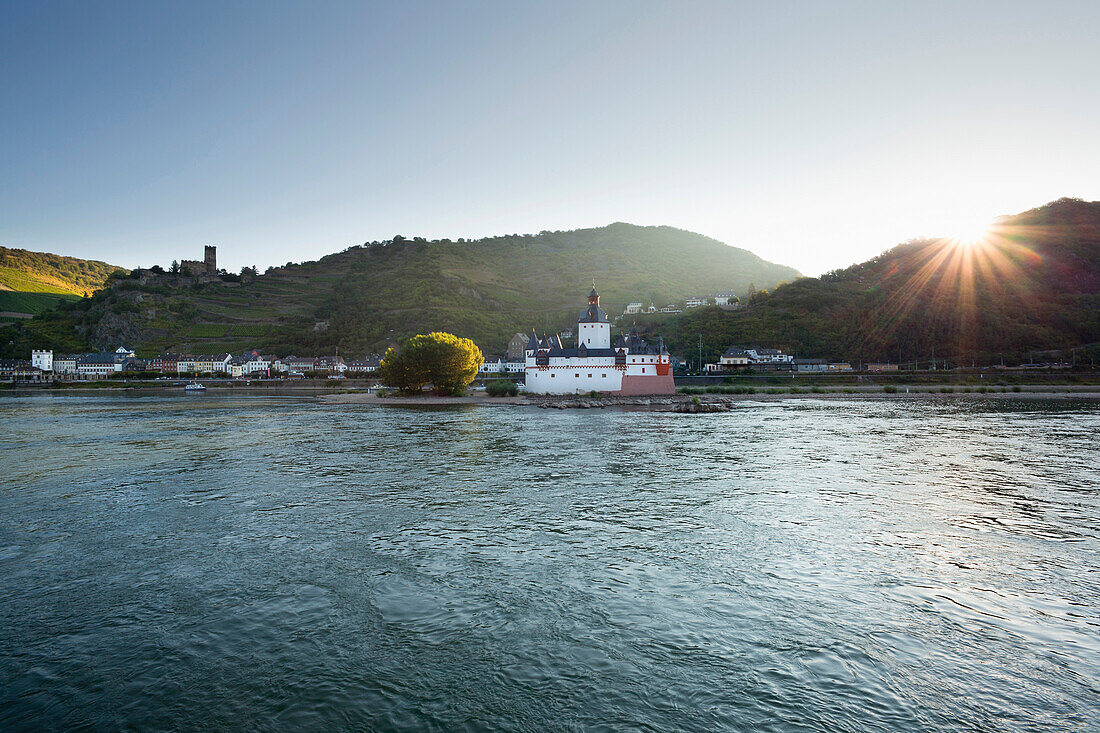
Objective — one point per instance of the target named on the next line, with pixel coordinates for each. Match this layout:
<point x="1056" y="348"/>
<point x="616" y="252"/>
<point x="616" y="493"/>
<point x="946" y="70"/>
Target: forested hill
<point x="41" y="272"/>
<point x="371" y="295"/>
<point x="1032" y="284"/>
<point x="491" y="288"/>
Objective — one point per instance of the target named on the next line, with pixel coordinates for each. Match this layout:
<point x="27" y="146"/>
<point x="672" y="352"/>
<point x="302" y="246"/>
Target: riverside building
<point x="630" y="366"/>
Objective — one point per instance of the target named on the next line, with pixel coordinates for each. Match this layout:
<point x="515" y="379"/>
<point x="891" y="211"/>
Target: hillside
<point x="1032" y="284"/>
<point x="41" y="272"/>
<point x="368" y="296"/>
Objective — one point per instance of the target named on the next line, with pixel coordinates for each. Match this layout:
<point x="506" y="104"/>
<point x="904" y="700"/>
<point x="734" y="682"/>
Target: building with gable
<point x="630" y="366"/>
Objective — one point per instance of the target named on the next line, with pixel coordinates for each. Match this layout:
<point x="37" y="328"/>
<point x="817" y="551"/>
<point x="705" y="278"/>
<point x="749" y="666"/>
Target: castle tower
<point x="211" y="260"/>
<point x="593" y="325"/>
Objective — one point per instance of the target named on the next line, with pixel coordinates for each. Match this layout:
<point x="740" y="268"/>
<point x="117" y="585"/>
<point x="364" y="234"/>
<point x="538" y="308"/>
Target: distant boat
<point x="194" y="387"/>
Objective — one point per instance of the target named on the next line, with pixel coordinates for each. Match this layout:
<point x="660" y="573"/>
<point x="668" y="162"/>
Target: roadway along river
<point x="238" y="563"/>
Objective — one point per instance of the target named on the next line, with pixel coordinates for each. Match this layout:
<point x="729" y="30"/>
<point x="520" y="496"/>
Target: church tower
<point x="593" y="326"/>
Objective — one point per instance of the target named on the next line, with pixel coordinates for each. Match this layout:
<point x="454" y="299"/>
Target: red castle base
<point x="639" y="385"/>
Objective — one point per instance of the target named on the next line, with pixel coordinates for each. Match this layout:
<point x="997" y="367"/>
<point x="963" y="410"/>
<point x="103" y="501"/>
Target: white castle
<point x="630" y="367"/>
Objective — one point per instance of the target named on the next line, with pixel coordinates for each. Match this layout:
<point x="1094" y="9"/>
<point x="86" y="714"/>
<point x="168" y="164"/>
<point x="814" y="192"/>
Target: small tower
<point x="593" y="325"/>
<point x="42" y="359"/>
<point x="211" y="260"/>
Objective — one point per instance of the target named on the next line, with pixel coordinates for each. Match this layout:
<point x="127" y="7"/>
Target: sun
<point x="972" y="233"/>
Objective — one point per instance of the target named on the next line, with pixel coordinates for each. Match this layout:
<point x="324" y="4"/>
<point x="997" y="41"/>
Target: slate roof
<point x="593" y="314"/>
<point x="103" y="357"/>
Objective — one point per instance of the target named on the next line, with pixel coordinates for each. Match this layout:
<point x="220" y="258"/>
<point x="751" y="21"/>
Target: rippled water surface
<point x="240" y="563"/>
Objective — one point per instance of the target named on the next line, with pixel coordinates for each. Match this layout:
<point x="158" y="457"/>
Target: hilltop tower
<point x="211" y="260"/>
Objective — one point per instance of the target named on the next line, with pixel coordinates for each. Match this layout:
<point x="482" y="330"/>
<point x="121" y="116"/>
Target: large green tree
<point x="447" y="362"/>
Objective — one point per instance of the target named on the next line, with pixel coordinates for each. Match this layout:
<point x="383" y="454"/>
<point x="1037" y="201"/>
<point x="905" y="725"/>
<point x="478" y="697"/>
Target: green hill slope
<point x="41" y="272"/>
<point x="1032" y="285"/>
<point x="368" y="296"/>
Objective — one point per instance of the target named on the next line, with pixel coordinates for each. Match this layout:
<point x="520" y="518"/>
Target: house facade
<point x="64" y="364"/>
<point x="727" y="298"/>
<point x="42" y="359"/>
<point x="97" y="366"/>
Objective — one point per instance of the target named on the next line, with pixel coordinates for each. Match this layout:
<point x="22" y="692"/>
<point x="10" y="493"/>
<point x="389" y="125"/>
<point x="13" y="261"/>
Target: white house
<point x="634" y="307"/>
<point x="727" y="298"/>
<point x="42" y="360"/>
<point x="630" y="366"/>
<point x="768" y="356"/>
<point x="365" y="366"/>
<point x="331" y="364"/>
<point x="250" y="362"/>
<point x="492" y="366"/>
<point x="735" y="357"/>
<point x="695" y="301"/>
<point x="101" y="364"/>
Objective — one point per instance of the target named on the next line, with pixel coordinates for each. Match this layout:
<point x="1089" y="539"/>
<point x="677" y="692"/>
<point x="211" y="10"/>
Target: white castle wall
<point x="594" y="335"/>
<point x="574" y="376"/>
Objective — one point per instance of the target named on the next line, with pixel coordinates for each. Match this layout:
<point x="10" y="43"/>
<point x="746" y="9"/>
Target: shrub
<point x="1016" y="388"/>
<point x="501" y="388"/>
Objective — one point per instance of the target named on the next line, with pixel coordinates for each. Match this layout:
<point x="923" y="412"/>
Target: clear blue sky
<point x="814" y="134"/>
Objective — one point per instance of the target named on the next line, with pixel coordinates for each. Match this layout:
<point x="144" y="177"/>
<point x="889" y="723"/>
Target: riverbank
<point x="680" y="402"/>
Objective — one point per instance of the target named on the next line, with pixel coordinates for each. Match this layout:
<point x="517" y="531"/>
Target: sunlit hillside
<point x="41" y="272"/>
<point x="1030" y="283"/>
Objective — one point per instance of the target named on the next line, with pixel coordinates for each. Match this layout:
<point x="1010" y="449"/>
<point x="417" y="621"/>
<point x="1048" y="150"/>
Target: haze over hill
<point x="368" y="296"/>
<point x="1032" y="284"/>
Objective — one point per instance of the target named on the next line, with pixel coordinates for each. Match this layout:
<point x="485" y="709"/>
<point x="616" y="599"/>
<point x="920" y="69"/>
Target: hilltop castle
<point x="630" y="367"/>
<point x="207" y="266"/>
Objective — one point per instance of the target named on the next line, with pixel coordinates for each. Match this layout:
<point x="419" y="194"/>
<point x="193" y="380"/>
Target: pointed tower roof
<point x="593" y="313"/>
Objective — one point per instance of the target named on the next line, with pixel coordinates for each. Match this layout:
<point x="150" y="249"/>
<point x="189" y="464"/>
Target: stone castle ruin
<point x="207" y="266"/>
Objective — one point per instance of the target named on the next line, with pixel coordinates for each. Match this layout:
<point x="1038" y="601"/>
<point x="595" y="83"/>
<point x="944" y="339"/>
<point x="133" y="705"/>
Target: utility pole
<point x="700" y="353"/>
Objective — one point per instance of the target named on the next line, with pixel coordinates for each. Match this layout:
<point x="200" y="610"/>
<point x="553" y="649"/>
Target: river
<point x="234" y="563"/>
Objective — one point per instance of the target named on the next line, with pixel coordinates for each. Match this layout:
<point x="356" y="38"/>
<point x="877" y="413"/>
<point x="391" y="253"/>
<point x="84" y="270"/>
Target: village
<point x="595" y="362"/>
